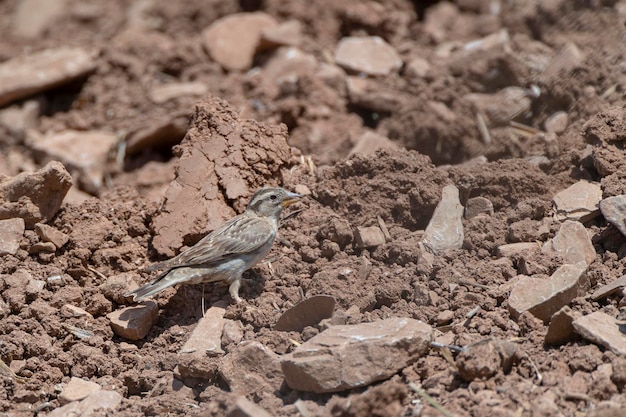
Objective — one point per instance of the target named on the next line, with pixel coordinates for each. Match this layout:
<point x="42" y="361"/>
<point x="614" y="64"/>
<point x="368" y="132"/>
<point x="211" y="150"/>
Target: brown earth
<point x="295" y="127"/>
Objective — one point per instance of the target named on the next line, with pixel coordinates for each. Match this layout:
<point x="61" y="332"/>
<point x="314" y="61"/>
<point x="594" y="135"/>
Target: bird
<point x="228" y="251"/>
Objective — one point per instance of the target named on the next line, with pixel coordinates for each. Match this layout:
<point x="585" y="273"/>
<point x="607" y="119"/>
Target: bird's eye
<point x="273" y="197"/>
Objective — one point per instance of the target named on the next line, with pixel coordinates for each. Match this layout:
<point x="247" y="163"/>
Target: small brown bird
<point x="227" y="252"/>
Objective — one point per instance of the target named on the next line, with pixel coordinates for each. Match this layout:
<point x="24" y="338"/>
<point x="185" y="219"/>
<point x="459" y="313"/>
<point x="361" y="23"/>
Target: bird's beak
<point x="290" y="198"/>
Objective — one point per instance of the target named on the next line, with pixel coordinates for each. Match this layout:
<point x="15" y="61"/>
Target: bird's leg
<point x="234" y="290"/>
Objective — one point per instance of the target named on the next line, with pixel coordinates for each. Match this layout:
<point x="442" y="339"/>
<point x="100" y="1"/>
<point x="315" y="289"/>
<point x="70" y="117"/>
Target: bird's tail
<point x="185" y="274"/>
<point x="157" y="285"/>
<point x="159" y="265"/>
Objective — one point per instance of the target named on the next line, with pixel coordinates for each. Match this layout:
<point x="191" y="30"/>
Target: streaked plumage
<point x="228" y="251"/>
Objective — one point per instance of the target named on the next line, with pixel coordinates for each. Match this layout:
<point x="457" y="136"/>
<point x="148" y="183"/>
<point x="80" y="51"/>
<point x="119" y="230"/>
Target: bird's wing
<point x="241" y="234"/>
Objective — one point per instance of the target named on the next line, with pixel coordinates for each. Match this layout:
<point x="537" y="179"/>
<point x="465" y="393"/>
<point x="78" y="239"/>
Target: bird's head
<point x="269" y="201"/>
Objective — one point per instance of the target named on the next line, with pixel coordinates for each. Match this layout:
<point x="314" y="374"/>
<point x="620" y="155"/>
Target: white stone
<point x="369" y="55"/>
<point x="543" y="297"/>
<point x="11" y="233"/>
<point x="578" y="202"/>
<point x="614" y="211"/>
<point x="204" y="342"/>
<point x="445" y="229"/>
<point x="350" y="356"/>
<point x="602" y="329"/>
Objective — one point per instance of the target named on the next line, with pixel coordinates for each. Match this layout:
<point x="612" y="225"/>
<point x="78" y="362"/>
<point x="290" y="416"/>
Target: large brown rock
<point x="603" y="330"/>
<point x="134" y="322"/>
<point x="351" y="356"/>
<point x="233" y="40"/>
<point x="544" y="297"/>
<point x="26" y="75"/>
<point x="223" y="160"/>
<point x="252" y="368"/>
<point x="205" y="342"/>
<point x="83" y="153"/>
<point x="35" y="197"/>
<point x="101" y="402"/>
<point x="573" y="243"/>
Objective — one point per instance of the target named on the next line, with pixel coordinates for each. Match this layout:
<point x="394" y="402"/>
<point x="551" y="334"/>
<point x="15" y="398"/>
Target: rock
<point x="370" y="142"/>
<point x="609" y="288"/>
<point x="288" y="33"/>
<point x="561" y="329"/>
<point x="98" y="403"/>
<point x="116" y="286"/>
<point x="302" y="189"/>
<point x="368" y="237"/>
<point x="545" y="405"/>
<point x="246" y="408"/>
<point x="204" y="342"/>
<point x="84" y="152"/>
<point x="11" y="233"/>
<point x="308" y="312"/>
<point x="614" y="211"/>
<point x="495" y="41"/>
<point x="76" y="197"/>
<point x="485" y="358"/>
<point x="444" y="317"/>
<point x="369" y="55"/>
<point x="578" y="202"/>
<point x="24" y="76"/>
<point x="233" y="40"/>
<point x="232" y="332"/>
<point x="135" y="322"/>
<point x="607" y="408"/>
<point x="168" y="132"/>
<point x="478" y="205"/>
<point x="77" y="389"/>
<point x="222" y="161"/>
<point x="556" y="123"/>
<point x="34" y="288"/>
<point x="544" y="297"/>
<point x="438" y="20"/>
<point x="282" y="72"/>
<point x="602" y="329"/>
<point x="33" y="17"/>
<point x="513" y="249"/>
<point x="528" y="230"/>
<point x="384" y="229"/>
<point x="418" y="68"/>
<point x="18" y="279"/>
<point x="17" y="119"/>
<point x="445" y="229"/>
<point x="502" y="107"/>
<point x="70" y="311"/>
<point x="55" y="281"/>
<point x="333" y="76"/>
<point x="372" y="95"/>
<point x="252" y="368"/>
<point x="40" y="247"/>
<point x="162" y="93"/>
<point x="350" y="356"/>
<point x="566" y="59"/>
<point x="35" y="197"/>
<point x="572" y="242"/>
<point x="50" y="234"/>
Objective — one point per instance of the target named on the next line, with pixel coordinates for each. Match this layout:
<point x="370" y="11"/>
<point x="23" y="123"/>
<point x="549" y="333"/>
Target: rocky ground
<point x="459" y="249"/>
